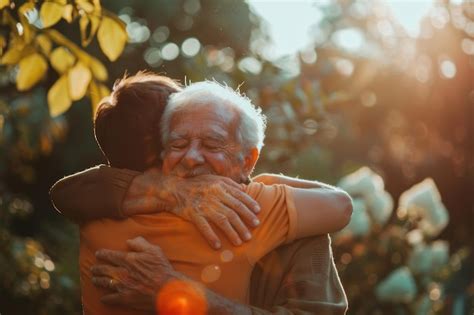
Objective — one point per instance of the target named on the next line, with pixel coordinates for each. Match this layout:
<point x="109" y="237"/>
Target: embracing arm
<point x="137" y="277"/>
<point x="107" y="192"/>
<point x="311" y="284"/>
<point x="94" y="193"/>
<point x="320" y="208"/>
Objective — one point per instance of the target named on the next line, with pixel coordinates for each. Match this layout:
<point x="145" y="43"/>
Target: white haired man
<point x="208" y="129"/>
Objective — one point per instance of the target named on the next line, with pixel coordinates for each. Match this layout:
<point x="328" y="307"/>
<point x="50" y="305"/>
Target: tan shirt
<point x="226" y="271"/>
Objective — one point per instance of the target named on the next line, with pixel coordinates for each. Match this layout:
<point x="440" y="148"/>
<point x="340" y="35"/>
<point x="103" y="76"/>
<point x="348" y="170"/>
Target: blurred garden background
<point x="374" y="96"/>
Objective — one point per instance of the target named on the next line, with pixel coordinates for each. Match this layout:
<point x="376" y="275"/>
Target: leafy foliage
<point x="32" y="44"/>
<point x="389" y="107"/>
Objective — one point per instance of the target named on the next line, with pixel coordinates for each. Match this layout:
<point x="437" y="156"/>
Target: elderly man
<point x="210" y="138"/>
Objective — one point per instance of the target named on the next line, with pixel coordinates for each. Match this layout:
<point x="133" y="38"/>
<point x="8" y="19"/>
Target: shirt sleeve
<point x="277" y="219"/>
<point x="94" y="193"/>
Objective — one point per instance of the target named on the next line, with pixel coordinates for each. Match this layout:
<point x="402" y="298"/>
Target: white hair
<point x="252" y="121"/>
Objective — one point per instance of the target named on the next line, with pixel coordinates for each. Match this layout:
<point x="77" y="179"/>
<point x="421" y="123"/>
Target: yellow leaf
<point x="98" y="7"/>
<point x="79" y="78"/>
<point x="94" y="94"/>
<point x="83" y="26"/>
<point x="15" y="53"/>
<point x="85" y="5"/>
<point x="98" y="69"/>
<point x="44" y="43"/>
<point x="104" y="91"/>
<point x="67" y="13"/>
<point x="97" y="93"/>
<point x="3" y="43"/>
<point x="24" y="10"/>
<point x="51" y="13"/>
<point x="112" y="37"/>
<point x="61" y="59"/>
<point x="59" y="100"/>
<point x="4" y="3"/>
<point x="31" y="69"/>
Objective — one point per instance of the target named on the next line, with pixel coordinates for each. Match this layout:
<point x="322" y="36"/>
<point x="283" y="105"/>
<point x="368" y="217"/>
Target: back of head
<point x="127" y="123"/>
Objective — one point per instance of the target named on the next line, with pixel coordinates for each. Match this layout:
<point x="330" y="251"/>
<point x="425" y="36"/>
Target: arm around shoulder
<point x="321" y="211"/>
<point x="320" y="208"/>
<point x="91" y="194"/>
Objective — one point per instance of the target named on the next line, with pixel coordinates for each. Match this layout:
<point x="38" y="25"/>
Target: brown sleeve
<point x="94" y="193"/>
<point x="298" y="278"/>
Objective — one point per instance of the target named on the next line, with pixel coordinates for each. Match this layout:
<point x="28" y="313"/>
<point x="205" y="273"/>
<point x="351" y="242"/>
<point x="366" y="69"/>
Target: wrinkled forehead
<point x="204" y="118"/>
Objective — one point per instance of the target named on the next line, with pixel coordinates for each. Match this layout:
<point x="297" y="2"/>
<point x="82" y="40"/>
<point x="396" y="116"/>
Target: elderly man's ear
<point x="250" y="160"/>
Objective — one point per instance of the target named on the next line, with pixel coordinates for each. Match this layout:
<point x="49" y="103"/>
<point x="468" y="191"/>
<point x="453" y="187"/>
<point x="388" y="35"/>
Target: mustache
<point x="186" y="173"/>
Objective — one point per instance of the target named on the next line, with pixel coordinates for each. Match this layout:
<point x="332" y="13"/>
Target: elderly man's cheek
<point x="169" y="162"/>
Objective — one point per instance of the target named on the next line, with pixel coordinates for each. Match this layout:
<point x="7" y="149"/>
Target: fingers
<point x="232" y="183"/>
<point x="238" y="225"/>
<point x="223" y="222"/>
<point x="103" y="271"/>
<point x="206" y="230"/>
<point x="244" y="199"/>
<point x="139" y="244"/>
<point x="104" y="282"/>
<point x="114" y="257"/>
<point x="236" y="202"/>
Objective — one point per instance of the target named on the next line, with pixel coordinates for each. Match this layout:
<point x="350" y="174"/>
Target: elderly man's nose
<point x="193" y="157"/>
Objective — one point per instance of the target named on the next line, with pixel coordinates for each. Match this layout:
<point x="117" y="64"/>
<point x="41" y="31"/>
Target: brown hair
<point x="127" y="122"/>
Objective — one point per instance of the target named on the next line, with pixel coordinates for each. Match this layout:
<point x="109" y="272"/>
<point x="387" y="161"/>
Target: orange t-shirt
<point x="226" y="271"/>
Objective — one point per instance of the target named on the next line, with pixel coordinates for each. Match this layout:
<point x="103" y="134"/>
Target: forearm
<point x="219" y="305"/>
<point x="94" y="193"/>
<point x="320" y="208"/>
<point x="320" y="211"/>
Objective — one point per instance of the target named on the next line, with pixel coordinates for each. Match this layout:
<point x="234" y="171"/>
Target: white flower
<point x="428" y="259"/>
<point x="415" y="236"/>
<point x="363" y="182"/>
<point x="380" y="206"/>
<point x="424" y="200"/>
<point x="398" y="287"/>
<point x="360" y="222"/>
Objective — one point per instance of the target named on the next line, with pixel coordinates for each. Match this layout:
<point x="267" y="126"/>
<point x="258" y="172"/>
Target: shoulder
<point x="270" y="196"/>
<point x="257" y="190"/>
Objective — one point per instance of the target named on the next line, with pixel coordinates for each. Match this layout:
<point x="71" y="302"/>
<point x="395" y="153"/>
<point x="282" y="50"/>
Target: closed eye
<point x="212" y="145"/>
<point x="178" y="144"/>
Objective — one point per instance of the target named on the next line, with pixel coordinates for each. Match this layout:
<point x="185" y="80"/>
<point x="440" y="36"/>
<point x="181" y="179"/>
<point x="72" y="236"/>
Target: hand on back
<point x="203" y="199"/>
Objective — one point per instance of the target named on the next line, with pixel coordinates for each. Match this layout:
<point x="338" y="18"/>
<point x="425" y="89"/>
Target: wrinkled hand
<point x="201" y="200"/>
<point x="216" y="199"/>
<point x="134" y="277"/>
